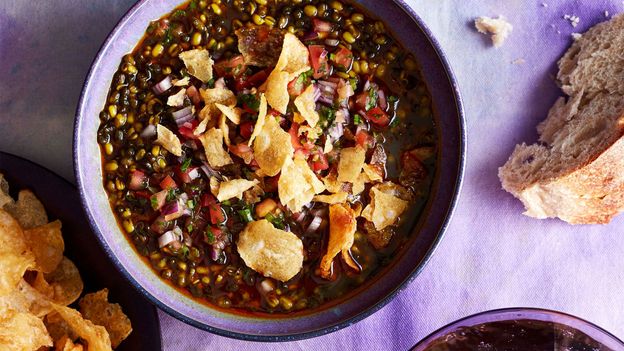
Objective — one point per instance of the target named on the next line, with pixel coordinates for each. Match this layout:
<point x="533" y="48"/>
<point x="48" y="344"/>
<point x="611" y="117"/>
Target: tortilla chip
<point x="28" y="210"/>
<point x="212" y="96"/>
<point x="198" y="63"/>
<point x="294" y="58"/>
<point x="232" y="113"/>
<point x="332" y="184"/>
<point x="336" y="198"/>
<point x="225" y="129"/>
<point x="216" y="155"/>
<point x="384" y="208"/>
<point x="272" y="147"/>
<point x="5" y="198"/>
<point x="234" y="188"/>
<point x="262" y="112"/>
<point x="202" y="126"/>
<point x="168" y="140"/>
<point x="177" y="99"/>
<point x="269" y="251"/>
<point x="96" y="308"/>
<point x="33" y="300"/>
<point x="306" y="105"/>
<point x="22" y="331"/>
<point x="95" y="335"/>
<point x="182" y="82"/>
<point x="375" y="173"/>
<point x="277" y="90"/>
<point x="350" y="163"/>
<point x="66" y="282"/>
<point x="46" y="243"/>
<point x="342" y="226"/>
<point x="15" y="256"/>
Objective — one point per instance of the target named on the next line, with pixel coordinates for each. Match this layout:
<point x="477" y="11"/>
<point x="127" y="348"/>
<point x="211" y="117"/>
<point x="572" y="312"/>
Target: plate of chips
<point x="58" y="290"/>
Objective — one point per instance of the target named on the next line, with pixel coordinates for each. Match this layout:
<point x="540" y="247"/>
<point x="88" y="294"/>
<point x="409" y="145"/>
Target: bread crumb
<point x="519" y="61"/>
<point x="576" y="36"/>
<point x="498" y="27"/>
<point x="573" y="19"/>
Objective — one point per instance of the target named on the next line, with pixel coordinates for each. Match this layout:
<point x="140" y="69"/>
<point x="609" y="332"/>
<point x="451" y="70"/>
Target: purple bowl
<point x="413" y="33"/>
<point x="473" y="325"/>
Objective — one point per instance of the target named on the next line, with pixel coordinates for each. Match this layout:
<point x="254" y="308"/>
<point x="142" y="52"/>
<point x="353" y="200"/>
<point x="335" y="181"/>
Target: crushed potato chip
<point x="66" y="344"/>
<point x="202" y="126"/>
<point x="309" y="175"/>
<point x="294" y="58"/>
<point x="33" y="300"/>
<point x="22" y="331"/>
<point x="182" y="82"/>
<point x="15" y="256"/>
<point x="342" y="226"/>
<point x="232" y="113"/>
<point x="350" y="164"/>
<point x="312" y="133"/>
<point x="198" y="63"/>
<point x="219" y="95"/>
<point x="332" y="184"/>
<point x="306" y="105"/>
<point x="177" y="99"/>
<point x="374" y="173"/>
<point x="336" y="198"/>
<point x="66" y="282"/>
<point x="262" y="112"/>
<point x="95" y="335"/>
<point x="225" y="129"/>
<point x="269" y="251"/>
<point x="384" y="208"/>
<point x="96" y="308"/>
<point x="28" y="210"/>
<point x="216" y="155"/>
<point x="297" y="184"/>
<point x="168" y="140"/>
<point x="46" y="243"/>
<point x="277" y="91"/>
<point x="272" y="147"/>
<point x="234" y="188"/>
<point x="328" y="147"/>
<point x="359" y="184"/>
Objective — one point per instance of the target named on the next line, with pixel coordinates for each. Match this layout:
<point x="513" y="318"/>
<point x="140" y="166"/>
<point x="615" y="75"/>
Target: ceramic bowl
<point x="413" y="33"/>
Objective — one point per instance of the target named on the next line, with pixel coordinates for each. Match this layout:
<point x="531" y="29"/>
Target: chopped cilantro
<point x="189" y="228"/>
<point x="184" y="251"/>
<point x="179" y="14"/>
<point x="226" y="202"/>
<point x="357" y="119"/>
<point x="354" y="83"/>
<point x="372" y="98"/>
<point x="249" y="100"/>
<point x="327" y="116"/>
<point x="211" y="83"/>
<point x="210" y="237"/>
<point x="277" y="221"/>
<point x="394" y="123"/>
<point x="193" y="5"/>
<point x="245" y="215"/>
<point x="392" y="99"/>
<point x="168" y="37"/>
<point x="185" y="165"/>
<point x="171" y="194"/>
<point x="190" y="204"/>
<point x="154" y="202"/>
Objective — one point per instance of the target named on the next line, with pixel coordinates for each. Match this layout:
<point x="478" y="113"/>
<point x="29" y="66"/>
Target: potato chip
<point x="342" y="226"/>
<point x="306" y="105"/>
<point x="66" y="282"/>
<point x="336" y="198"/>
<point x="350" y="164"/>
<point x="294" y="58"/>
<point x="33" y="300"/>
<point x="5" y="198"/>
<point x="22" y="331"/>
<point x="234" y="188"/>
<point x="297" y="184"/>
<point x="198" y="63"/>
<point x="57" y="327"/>
<point x="28" y="210"/>
<point x="96" y="308"/>
<point x="272" y="147"/>
<point x="219" y="95"/>
<point x="332" y="184"/>
<point x="277" y="90"/>
<point x="182" y="82"/>
<point x="202" y="126"/>
<point x="168" y="140"/>
<point x="262" y="112"/>
<point x="96" y="336"/>
<point x="384" y="208"/>
<point x="359" y="184"/>
<point x="66" y="344"/>
<point x="375" y="173"/>
<point x="46" y="243"/>
<point x="216" y="155"/>
<point x="232" y="113"/>
<point x="269" y="251"/>
<point x="309" y="175"/>
<point x="312" y="133"/>
<point x="328" y="147"/>
<point x="15" y="256"/>
<point x="225" y="129"/>
<point x="177" y="99"/>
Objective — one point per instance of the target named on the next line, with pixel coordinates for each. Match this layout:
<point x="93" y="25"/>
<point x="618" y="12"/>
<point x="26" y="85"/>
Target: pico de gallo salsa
<point x="268" y="156"/>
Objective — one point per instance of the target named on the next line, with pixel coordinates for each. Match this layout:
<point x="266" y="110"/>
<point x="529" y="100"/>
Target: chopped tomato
<point x="233" y="67"/>
<point x="294" y="136"/>
<point x="363" y="139"/>
<point x="142" y="193"/>
<point x="138" y="180"/>
<point x="298" y="85"/>
<point x="254" y="81"/>
<point x="377" y="116"/>
<point x="318" y="56"/>
<point x="189" y="174"/>
<point x="168" y="183"/>
<point x="187" y="131"/>
<point x="318" y="161"/>
<point x="193" y="94"/>
<point x="343" y="58"/>
<point x="215" y="234"/>
<point x="246" y="129"/>
<point x="207" y="200"/>
<point x="243" y="151"/>
<point x="217" y="215"/>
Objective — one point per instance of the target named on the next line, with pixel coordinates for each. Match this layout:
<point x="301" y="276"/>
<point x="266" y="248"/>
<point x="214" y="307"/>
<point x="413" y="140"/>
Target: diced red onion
<point x="170" y="236"/>
<point x="188" y="241"/>
<point x="332" y="42"/>
<point x="193" y="94"/>
<point x="322" y="26"/>
<point x="315" y="224"/>
<point x="210" y="172"/>
<point x="300" y="216"/>
<point x="336" y="131"/>
<point x="215" y="252"/>
<point x="317" y="93"/>
<point x="326" y="100"/>
<point x="266" y="286"/>
<point x="194" y="173"/>
<point x="327" y="83"/>
<point x="310" y="36"/>
<point x="366" y="85"/>
<point x="183" y="116"/>
<point x="220" y="83"/>
<point x="149" y="131"/>
<point x="381" y="99"/>
<point x="163" y="85"/>
<point x="362" y="113"/>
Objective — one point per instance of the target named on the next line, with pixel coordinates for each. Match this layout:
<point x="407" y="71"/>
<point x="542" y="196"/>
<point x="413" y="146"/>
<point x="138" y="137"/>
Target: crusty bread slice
<point x="576" y="172"/>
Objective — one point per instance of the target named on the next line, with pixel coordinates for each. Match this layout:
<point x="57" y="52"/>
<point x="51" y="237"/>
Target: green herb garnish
<point x="171" y="194"/>
<point x="357" y="119"/>
<point x="210" y="237"/>
<point x="154" y="202"/>
<point x="277" y="221"/>
<point x="245" y="215"/>
<point x="327" y="116"/>
<point x="372" y="98"/>
<point x="249" y="100"/>
<point x="185" y="165"/>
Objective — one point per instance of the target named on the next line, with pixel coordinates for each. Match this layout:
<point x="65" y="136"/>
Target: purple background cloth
<point x="491" y="256"/>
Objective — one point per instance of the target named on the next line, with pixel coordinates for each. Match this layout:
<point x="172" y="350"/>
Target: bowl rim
<point x="458" y="183"/>
<point x="510" y="310"/>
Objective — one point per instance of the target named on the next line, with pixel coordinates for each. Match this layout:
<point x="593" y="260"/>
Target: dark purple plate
<point x="416" y="37"/>
<point x="62" y="202"/>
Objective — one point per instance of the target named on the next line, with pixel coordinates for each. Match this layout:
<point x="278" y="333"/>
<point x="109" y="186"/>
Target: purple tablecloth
<point x="491" y="255"/>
